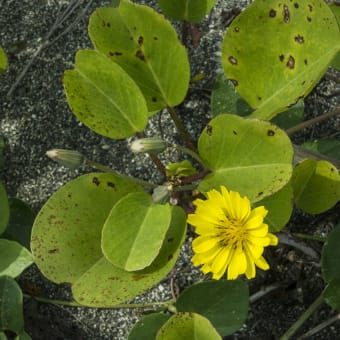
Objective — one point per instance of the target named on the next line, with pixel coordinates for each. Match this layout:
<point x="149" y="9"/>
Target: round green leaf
<point x="187" y="326"/>
<point x="146" y="46"/>
<point x="103" y="284"/>
<point x="279" y="206"/>
<point x="3" y="61"/>
<point x="330" y="257"/>
<point x="252" y="157"/>
<point x="224" y="303"/>
<point x="4" y="209"/>
<point x="20" y="222"/>
<point x="66" y="235"/>
<point x="276" y="51"/>
<point x="14" y="258"/>
<point x="134" y="231"/>
<point x="103" y="96"/>
<point x="11" y="311"/>
<point x="186" y="10"/>
<point x="316" y="186"/>
<point x="148" y="327"/>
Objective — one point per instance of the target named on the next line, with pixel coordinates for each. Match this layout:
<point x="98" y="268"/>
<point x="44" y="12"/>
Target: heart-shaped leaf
<point x="271" y="55"/>
<point x="146" y="46"/>
<point x="252" y="157"/>
<point x="104" y="97"/>
<point x="134" y="231"/>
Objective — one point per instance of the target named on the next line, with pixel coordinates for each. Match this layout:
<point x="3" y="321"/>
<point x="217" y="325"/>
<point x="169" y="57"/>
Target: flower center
<point x="232" y="231"/>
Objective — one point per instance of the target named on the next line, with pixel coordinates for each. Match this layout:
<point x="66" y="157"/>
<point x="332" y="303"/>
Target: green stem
<point x="104" y="168"/>
<point x="189" y="152"/>
<point x="311" y="309"/>
<point x="122" y="305"/>
<point x="181" y="129"/>
<point x="310" y="237"/>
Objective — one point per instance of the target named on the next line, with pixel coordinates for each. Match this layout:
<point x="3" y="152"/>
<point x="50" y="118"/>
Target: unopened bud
<point x="161" y="194"/>
<point x="148" y="145"/>
<point x="69" y="158"/>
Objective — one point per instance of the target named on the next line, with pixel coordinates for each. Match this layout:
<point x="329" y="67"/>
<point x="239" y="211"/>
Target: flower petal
<point x="237" y="265"/>
<point x="203" y="244"/>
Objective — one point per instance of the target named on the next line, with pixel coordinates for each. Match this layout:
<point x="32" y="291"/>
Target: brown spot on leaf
<point x="155" y="38"/>
<point x="111" y="185"/>
<point x="209" y="130"/>
<point x="234" y="82"/>
<point x="140" y="55"/>
<point x="260" y="193"/>
<point x="306" y="62"/>
<point x="111" y="54"/>
<point x="310" y="7"/>
<point x="309" y="19"/>
<point x="154" y="99"/>
<point x="140" y="40"/>
<point x="291" y="62"/>
<point x="281" y="57"/>
<point x="138" y="277"/>
<point x="286" y="14"/>
<point x="95" y="181"/>
<point x="118" y="53"/>
<point x="299" y="39"/>
<point x="108" y="24"/>
<point x="270" y="133"/>
<point x="272" y="13"/>
<point x="232" y="60"/>
<point x="53" y="251"/>
<point x="234" y="132"/>
<point x="170" y="257"/>
<point x="259" y="98"/>
<point x="296" y="5"/>
<point x="236" y="29"/>
<point x="170" y="239"/>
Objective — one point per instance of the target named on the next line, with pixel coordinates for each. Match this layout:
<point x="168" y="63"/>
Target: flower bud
<point x="148" y="145"/>
<point x="69" y="158"/>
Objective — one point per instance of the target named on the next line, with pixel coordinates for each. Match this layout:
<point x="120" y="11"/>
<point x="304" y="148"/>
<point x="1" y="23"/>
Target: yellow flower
<point x="231" y="235"/>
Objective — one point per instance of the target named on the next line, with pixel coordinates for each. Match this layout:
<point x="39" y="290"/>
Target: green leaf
<point x="14" y="258"/>
<point x="271" y="55"/>
<point x="148" y="327"/>
<point x="291" y="117"/>
<point x="106" y="285"/>
<point x="103" y="96"/>
<point x="4" y="209"/>
<point x="66" y="235"/>
<point x="3" y="61"/>
<point x="11" y="311"/>
<point x="146" y="46"/>
<point x="336" y="62"/>
<point x="224" y="303"/>
<point x="331" y="294"/>
<point x="279" y="206"/>
<point x="187" y="326"/>
<point x="186" y="10"/>
<point x="183" y="169"/>
<point x="224" y="99"/>
<point x="134" y="231"/>
<point x="330" y="256"/>
<point x="252" y="157"/>
<point x="66" y="242"/>
<point x="20" y="222"/>
<point x="316" y="186"/>
<point x="328" y="147"/>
